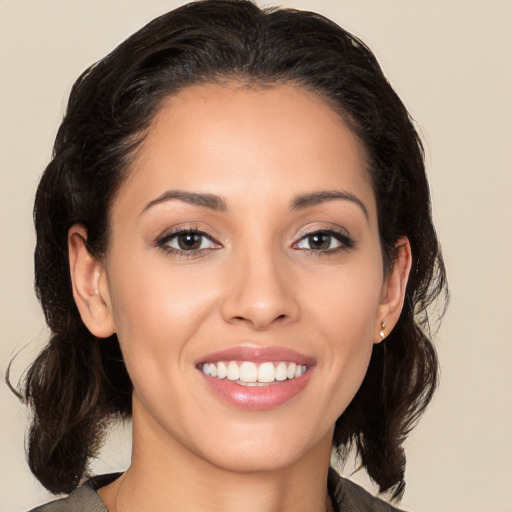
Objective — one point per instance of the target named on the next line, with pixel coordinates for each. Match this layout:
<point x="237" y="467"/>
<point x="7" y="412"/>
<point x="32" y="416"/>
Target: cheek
<point x="157" y="311"/>
<point x="345" y="302"/>
<point x="344" y="313"/>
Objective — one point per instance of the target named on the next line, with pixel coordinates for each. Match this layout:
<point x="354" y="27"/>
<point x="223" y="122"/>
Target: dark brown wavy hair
<point x="79" y="384"/>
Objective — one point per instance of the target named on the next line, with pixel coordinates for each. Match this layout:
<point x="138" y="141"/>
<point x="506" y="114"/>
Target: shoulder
<point x="350" y="497"/>
<point x="83" y="499"/>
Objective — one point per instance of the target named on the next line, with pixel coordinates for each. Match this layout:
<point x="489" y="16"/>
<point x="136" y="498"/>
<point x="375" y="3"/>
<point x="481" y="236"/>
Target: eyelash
<point x="346" y="242"/>
<point x="164" y="240"/>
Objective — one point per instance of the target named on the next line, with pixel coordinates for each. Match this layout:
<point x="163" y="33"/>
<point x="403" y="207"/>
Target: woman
<point x="235" y="249"/>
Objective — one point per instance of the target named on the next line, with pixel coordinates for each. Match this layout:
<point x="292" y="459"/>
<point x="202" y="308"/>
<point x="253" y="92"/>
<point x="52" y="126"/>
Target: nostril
<point x="276" y="319"/>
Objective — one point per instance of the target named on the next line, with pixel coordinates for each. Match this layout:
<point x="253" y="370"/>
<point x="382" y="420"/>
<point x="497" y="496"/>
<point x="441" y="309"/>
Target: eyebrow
<point x="307" y="200"/>
<point x="210" y="201"/>
<point x="217" y="203"/>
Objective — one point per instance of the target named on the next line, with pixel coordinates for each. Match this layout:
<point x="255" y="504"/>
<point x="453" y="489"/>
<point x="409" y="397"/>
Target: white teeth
<point x="266" y="373"/>
<point x="281" y="371"/>
<point x="233" y="371"/>
<point x="222" y="371"/>
<point x="249" y="374"/>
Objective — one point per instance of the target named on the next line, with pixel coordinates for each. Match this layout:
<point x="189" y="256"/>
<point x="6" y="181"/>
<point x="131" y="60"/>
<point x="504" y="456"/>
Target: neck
<point x="164" y="476"/>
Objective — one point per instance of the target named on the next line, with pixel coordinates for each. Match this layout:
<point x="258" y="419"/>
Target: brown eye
<point x="189" y="241"/>
<point x="325" y="241"/>
<point x="320" y="241"/>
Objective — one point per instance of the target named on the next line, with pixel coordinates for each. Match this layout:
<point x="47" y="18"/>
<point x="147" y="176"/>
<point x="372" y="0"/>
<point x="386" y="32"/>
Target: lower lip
<point x="257" y="398"/>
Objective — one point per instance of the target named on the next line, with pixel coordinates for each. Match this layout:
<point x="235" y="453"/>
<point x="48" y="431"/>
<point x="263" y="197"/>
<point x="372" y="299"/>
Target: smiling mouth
<point x="248" y="373"/>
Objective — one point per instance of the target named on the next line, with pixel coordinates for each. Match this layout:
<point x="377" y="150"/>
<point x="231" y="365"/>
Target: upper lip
<point x="257" y="355"/>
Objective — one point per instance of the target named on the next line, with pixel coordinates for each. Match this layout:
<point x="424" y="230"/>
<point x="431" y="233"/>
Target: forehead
<point x="267" y="140"/>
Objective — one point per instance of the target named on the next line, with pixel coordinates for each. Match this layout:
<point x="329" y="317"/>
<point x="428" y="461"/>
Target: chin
<point x="261" y="450"/>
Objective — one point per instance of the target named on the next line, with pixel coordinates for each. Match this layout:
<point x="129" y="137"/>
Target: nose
<point x="259" y="292"/>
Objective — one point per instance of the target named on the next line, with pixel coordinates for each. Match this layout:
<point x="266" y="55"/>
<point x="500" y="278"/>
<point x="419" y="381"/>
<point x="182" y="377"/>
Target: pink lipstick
<point x="256" y="378"/>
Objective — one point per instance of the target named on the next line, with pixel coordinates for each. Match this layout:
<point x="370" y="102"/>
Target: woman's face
<point x="245" y="240"/>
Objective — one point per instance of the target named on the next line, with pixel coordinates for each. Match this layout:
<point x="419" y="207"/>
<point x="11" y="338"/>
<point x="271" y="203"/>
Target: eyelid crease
<point x="327" y="227"/>
<point x="162" y="240"/>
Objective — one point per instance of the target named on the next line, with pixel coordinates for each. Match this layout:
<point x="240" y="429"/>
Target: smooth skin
<point x="266" y="270"/>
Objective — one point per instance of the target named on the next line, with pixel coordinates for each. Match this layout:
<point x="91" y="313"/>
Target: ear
<point x="90" y="286"/>
<point x="393" y="291"/>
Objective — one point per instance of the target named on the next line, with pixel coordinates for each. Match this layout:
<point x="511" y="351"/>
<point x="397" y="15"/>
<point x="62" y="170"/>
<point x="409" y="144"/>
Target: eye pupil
<point x="189" y="241"/>
<point x="319" y="241"/>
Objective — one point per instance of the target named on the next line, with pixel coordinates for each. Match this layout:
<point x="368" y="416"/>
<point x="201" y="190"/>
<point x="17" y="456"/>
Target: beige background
<point x="451" y="62"/>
